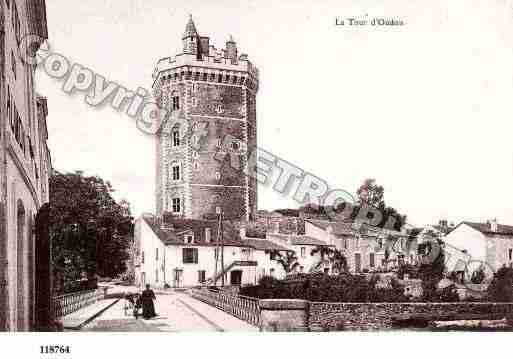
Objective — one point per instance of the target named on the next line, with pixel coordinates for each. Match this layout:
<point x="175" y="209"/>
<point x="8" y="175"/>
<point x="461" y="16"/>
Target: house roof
<point x="351" y="227"/>
<point x="485" y="228"/>
<point x="338" y="228"/>
<point x="263" y="244"/>
<point x="179" y="228"/>
<point x="299" y="240"/>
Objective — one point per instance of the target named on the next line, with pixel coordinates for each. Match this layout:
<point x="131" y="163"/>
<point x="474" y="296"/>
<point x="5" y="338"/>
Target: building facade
<point x="24" y="162"/>
<point x="471" y="246"/>
<point x="366" y="248"/>
<point x="204" y="145"/>
<point x="181" y="253"/>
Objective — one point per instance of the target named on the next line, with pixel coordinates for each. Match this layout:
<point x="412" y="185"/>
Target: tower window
<point x="176" y="138"/>
<point x="176" y="205"/>
<point x="205" y="77"/>
<point x="176" y="172"/>
<point x="218" y="175"/>
<point x="235" y="145"/>
<point x="196" y="165"/>
<point x="176" y="103"/>
<point x="194" y="101"/>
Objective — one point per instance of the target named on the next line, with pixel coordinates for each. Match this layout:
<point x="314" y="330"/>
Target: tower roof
<point x="190" y="29"/>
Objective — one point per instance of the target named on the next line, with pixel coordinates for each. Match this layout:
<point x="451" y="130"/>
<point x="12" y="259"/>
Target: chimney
<point x="493" y="225"/>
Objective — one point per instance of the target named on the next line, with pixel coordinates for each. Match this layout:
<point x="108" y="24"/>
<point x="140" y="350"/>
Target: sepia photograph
<point x="252" y="167"/>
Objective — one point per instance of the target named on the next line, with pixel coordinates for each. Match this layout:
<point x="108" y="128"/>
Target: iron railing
<point x="245" y="308"/>
<point x="68" y="303"/>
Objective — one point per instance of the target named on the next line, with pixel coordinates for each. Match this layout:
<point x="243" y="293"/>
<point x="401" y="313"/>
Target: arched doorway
<point x="21" y="266"/>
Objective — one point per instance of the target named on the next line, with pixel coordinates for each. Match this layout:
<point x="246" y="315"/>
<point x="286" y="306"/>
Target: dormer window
<point x="235" y="145"/>
<point x="189" y="239"/>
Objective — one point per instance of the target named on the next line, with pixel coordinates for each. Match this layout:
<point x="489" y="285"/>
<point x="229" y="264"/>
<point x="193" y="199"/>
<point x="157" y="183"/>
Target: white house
<point x="182" y="253"/>
<point x="472" y="245"/>
<point x="365" y="247"/>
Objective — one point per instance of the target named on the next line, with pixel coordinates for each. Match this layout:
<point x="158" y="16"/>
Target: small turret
<point x="190" y="38"/>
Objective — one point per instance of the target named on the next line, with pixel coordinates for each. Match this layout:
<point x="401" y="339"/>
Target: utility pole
<point x="217" y="253"/>
<point x="222" y="247"/>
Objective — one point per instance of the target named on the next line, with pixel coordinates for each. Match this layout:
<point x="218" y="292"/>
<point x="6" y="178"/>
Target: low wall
<point x="379" y="316"/>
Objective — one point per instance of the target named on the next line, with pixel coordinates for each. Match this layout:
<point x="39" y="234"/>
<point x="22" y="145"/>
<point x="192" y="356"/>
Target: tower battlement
<point x="210" y="64"/>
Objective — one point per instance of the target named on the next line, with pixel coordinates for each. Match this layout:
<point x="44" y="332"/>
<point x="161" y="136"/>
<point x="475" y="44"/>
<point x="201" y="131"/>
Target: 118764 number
<point x="54" y="349"/>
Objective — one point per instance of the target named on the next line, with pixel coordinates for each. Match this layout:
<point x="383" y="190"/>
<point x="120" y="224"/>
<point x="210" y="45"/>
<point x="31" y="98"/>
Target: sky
<point x="423" y="108"/>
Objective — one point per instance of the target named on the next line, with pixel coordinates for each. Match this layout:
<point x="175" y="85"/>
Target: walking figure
<point x="147" y="298"/>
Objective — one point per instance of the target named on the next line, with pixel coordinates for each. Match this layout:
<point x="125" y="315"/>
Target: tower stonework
<point x="204" y="87"/>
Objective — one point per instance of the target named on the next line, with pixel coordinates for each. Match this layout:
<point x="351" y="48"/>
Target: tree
<point x="334" y="256"/>
<point x="432" y="267"/>
<point x="90" y="232"/>
<point x="501" y="287"/>
<point x="288" y="261"/>
<point x="371" y="194"/>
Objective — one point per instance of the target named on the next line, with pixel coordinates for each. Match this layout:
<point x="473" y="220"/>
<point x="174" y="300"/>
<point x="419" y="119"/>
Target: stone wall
<point x="379" y="316"/>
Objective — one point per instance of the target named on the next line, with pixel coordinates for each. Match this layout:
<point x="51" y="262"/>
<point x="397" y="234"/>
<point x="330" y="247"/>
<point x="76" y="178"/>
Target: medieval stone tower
<point x="204" y="87"/>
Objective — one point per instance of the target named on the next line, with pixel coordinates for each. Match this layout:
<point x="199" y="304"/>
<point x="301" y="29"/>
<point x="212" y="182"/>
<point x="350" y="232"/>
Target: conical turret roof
<point x="190" y="29"/>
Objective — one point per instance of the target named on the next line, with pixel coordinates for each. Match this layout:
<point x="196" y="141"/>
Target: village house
<point x="179" y="253"/>
<point x="470" y="246"/>
<point x="365" y="247"/>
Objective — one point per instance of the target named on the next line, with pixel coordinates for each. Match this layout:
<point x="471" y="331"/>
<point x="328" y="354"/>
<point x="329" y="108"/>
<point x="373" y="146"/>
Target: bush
<point x="501" y="288"/>
<point x="478" y="276"/>
<point x="409" y="269"/>
<point x="320" y="287"/>
<point x="448" y="294"/>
